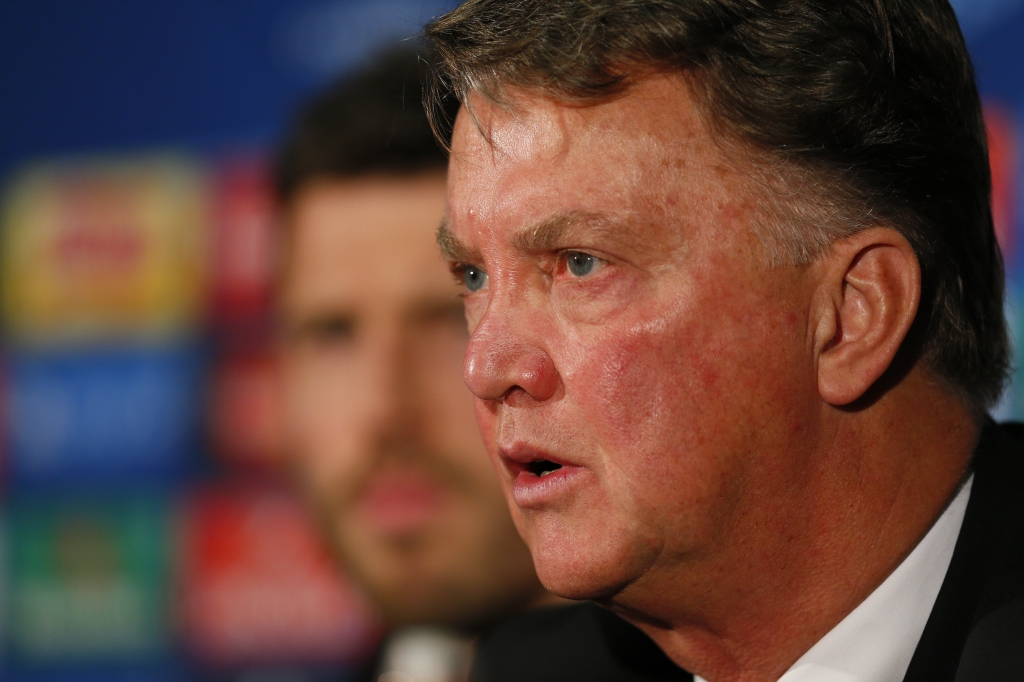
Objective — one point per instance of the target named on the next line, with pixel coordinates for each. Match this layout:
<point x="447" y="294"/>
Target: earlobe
<point x="869" y="295"/>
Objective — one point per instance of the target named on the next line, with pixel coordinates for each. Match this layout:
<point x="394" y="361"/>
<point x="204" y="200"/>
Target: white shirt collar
<point x="876" y="641"/>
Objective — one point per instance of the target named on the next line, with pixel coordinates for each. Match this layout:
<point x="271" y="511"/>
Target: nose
<point x="504" y="358"/>
<point x="385" y="386"/>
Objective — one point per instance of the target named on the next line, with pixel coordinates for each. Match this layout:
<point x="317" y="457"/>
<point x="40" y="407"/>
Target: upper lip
<point x="521" y="454"/>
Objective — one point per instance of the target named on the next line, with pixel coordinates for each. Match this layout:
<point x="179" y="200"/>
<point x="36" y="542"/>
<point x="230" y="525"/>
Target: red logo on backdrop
<point x="1003" y="153"/>
<point x="109" y="249"/>
<point x="245" y="242"/>
<point x="103" y="234"/>
<point x="258" y="586"/>
<point x="246" y="411"/>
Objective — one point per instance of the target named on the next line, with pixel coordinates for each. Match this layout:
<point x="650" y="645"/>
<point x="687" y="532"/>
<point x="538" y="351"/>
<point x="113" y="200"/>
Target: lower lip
<point x="532" y="492"/>
<point x="394" y="507"/>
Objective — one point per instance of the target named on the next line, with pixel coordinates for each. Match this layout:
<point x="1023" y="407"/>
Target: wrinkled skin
<point x="381" y="424"/>
<point x="673" y="419"/>
<point x="668" y="375"/>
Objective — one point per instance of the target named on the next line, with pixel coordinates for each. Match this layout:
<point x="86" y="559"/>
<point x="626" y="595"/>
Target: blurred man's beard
<point x="393" y="527"/>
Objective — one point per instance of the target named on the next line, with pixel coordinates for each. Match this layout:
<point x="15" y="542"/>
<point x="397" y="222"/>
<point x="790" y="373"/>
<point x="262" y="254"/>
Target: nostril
<point x="517" y="396"/>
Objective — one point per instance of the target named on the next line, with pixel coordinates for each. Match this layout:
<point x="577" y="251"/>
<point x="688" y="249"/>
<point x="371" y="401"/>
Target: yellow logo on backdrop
<point x="104" y="250"/>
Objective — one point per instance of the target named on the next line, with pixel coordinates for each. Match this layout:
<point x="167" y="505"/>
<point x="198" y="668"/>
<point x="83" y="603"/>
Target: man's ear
<point x="867" y="300"/>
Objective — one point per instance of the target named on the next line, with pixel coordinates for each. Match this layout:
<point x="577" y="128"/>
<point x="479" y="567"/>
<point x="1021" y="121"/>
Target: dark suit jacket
<point x="975" y="632"/>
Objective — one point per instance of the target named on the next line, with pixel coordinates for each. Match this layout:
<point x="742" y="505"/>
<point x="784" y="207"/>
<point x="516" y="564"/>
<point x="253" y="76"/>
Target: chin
<point x="585" y="565"/>
<point x="403" y="593"/>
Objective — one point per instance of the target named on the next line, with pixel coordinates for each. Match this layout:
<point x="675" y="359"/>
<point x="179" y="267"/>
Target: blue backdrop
<point x="215" y="78"/>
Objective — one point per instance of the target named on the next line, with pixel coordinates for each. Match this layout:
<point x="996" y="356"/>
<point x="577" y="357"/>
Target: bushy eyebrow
<point x="551" y="234"/>
<point x="562" y="229"/>
<point x="454" y="250"/>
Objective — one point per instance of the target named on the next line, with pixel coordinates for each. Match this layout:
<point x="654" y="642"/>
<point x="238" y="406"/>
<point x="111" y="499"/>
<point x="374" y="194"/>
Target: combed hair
<point x="368" y="122"/>
<point x="849" y="114"/>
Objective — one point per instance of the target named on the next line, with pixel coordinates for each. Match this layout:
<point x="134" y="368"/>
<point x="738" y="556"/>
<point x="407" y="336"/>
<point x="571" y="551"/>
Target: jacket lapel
<point x="987" y="569"/>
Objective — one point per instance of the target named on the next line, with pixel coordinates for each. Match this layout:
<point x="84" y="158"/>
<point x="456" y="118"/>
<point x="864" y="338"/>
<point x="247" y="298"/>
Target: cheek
<point x="438" y="386"/>
<point x="322" y="417"/>
<point x="677" y="403"/>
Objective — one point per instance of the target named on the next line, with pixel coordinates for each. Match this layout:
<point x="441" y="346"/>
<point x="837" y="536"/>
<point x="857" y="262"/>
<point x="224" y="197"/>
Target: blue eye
<point x="474" y="278"/>
<point x="582" y="264"/>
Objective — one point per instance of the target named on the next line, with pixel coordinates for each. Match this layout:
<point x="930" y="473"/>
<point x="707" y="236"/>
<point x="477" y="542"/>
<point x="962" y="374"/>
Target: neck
<point x="810" y="545"/>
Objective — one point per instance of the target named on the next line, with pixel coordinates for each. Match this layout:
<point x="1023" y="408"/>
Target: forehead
<point x="366" y="238"/>
<point x="643" y="151"/>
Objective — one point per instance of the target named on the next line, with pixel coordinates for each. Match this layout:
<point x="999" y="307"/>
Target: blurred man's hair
<point x="847" y="114"/>
<point x="370" y="123"/>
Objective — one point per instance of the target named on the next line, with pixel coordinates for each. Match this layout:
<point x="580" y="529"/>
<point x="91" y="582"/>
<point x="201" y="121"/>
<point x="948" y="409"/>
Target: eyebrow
<point x="554" y="232"/>
<point x="454" y="250"/>
<point x="548" y="235"/>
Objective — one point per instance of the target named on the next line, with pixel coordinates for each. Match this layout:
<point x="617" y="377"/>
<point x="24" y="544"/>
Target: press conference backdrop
<point x="145" y="533"/>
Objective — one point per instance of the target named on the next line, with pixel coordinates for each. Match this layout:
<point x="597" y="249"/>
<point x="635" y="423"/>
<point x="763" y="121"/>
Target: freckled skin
<point x="682" y="377"/>
<point x="377" y="389"/>
<point x="651" y="379"/>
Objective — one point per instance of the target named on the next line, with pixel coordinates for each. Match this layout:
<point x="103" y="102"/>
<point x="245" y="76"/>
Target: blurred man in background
<point x="380" y="421"/>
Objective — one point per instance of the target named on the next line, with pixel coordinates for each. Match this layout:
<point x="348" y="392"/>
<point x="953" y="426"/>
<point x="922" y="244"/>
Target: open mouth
<point x="542" y="467"/>
<point x="533" y="485"/>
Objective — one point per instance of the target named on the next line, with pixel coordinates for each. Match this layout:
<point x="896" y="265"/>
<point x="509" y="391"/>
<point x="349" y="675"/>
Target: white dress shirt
<point x="876" y="641"/>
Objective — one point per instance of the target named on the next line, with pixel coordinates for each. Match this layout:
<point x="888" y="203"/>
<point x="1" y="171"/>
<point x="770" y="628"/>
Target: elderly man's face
<point x="381" y="422"/>
<point x="638" y="367"/>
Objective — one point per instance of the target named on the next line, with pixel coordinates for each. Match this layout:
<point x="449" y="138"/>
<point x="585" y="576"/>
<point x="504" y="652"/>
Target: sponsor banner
<point x="1004" y="157"/>
<point x="162" y="673"/>
<point x="245" y="417"/>
<point x="4" y="590"/>
<point x="88" y="579"/>
<point x="89" y="416"/>
<point x="271" y="673"/>
<point x="1011" y="407"/>
<point x="258" y="587"/>
<point x="4" y="462"/>
<point x="98" y="250"/>
<point x="245" y="241"/>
